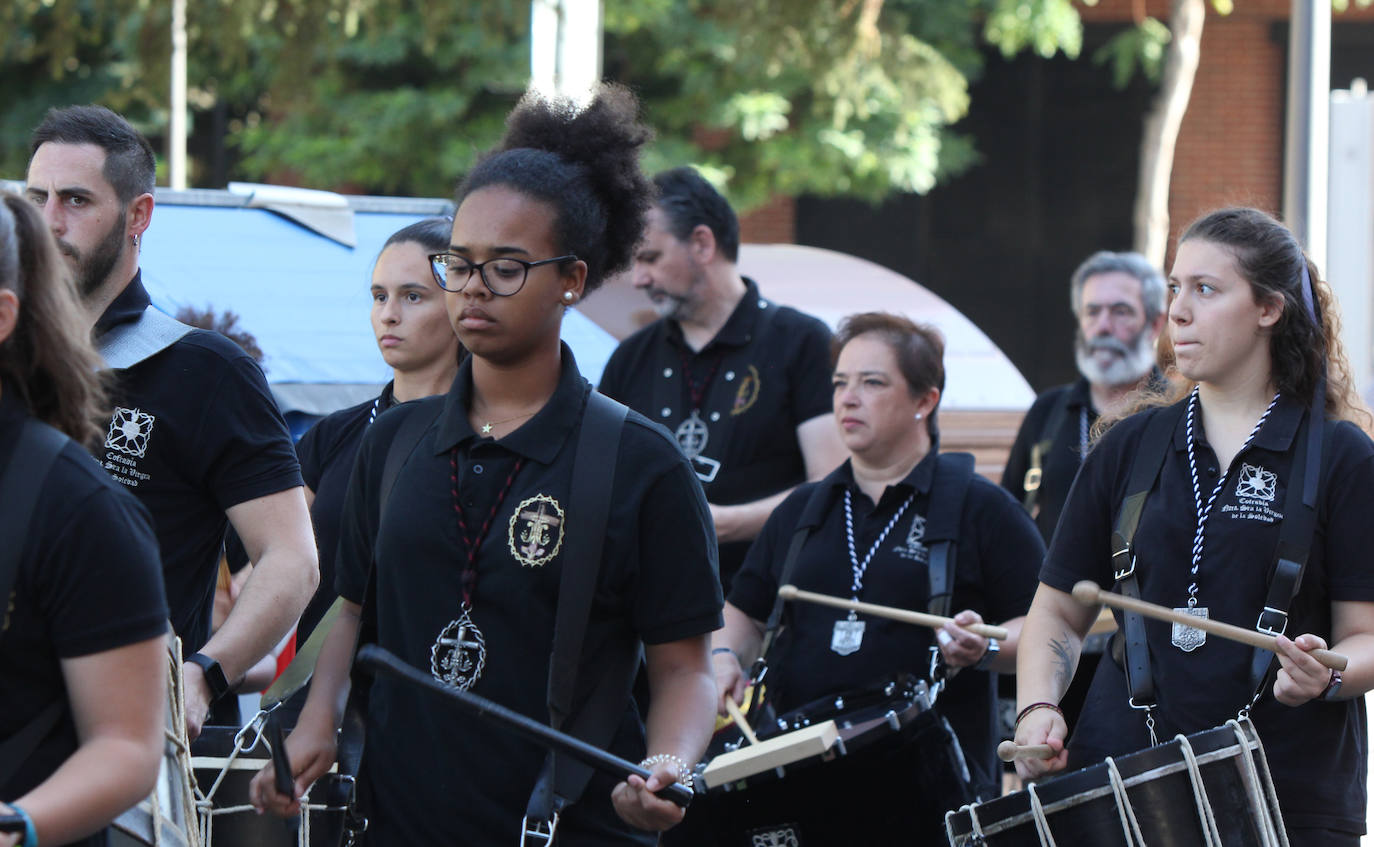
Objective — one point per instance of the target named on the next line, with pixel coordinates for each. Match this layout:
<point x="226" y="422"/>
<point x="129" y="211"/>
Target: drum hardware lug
<point x="839" y="703"/>
<point x="780" y="771"/>
<point x="892" y="720"/>
<point x="839" y="745"/>
<point x="889" y="689"/>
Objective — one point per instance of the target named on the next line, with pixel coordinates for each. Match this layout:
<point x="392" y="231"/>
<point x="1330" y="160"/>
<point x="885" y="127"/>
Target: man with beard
<point x="1118" y="299"/>
<point x="195" y="434"/>
<point x="743" y="383"/>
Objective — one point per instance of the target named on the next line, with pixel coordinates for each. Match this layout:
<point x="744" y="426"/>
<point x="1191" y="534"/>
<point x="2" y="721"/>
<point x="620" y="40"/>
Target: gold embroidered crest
<point x="535" y="533"/>
<point x="747" y="393"/>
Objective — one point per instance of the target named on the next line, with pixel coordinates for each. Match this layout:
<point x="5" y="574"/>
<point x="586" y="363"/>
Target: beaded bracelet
<point x="684" y="773"/>
<point x="1042" y="704"/>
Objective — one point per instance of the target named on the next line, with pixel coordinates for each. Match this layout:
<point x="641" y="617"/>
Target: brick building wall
<point x="1231" y="146"/>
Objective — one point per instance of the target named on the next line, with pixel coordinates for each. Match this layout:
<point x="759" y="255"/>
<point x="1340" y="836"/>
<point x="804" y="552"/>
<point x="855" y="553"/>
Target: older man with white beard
<point x="1118" y="299"/>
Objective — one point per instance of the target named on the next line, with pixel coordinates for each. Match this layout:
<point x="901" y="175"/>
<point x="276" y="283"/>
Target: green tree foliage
<point x="772" y="97"/>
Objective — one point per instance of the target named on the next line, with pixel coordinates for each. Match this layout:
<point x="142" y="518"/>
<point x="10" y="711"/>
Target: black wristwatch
<point x="1333" y="687"/>
<point x="214" y="675"/>
<point x="988" y="655"/>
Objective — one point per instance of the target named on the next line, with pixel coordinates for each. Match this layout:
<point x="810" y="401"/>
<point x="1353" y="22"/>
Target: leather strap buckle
<point x="1267" y="618"/>
<point x="538" y="833"/>
<point x="1123" y="572"/>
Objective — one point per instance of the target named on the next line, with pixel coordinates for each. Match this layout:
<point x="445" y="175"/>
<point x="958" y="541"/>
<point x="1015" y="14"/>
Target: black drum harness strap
<point x="953" y="475"/>
<point x="1290" y="557"/>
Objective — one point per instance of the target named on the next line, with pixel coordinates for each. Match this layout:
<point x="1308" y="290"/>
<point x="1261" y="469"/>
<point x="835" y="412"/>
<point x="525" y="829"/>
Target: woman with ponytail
<point x="467" y="547"/>
<point x="83" y="658"/>
<point x="1258" y="516"/>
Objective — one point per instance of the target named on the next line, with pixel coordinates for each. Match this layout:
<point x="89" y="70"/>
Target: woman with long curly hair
<point x="468" y="552"/>
<point x="83" y="658"/>
<point x="1258" y="516"/>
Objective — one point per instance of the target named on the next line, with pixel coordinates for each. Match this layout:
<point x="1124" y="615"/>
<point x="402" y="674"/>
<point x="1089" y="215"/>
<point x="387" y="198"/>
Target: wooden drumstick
<point x="1089" y="594"/>
<point x="1010" y="751"/>
<point x="792" y="592"/>
<point x="740" y="721"/>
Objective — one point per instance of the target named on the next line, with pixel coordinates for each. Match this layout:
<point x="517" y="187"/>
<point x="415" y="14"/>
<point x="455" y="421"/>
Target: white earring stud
<point x="918" y="416"/>
<point x="567" y="297"/>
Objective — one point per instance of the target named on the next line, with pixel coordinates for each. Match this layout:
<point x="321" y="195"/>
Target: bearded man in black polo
<point x="195" y="433"/>
<point x="741" y="382"/>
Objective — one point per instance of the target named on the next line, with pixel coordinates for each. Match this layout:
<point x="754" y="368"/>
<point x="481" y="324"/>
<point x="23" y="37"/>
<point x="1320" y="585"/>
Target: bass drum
<point x="168" y="816"/>
<point x="227" y="818"/>
<point x="1210" y="788"/>
<point x="888" y="778"/>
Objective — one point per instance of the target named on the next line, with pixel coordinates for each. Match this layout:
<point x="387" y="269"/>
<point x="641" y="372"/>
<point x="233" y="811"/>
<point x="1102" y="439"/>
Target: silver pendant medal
<point x="1188" y="638"/>
<point x="692" y="435"/>
<point x="459" y="654"/>
<point x="848" y="635"/>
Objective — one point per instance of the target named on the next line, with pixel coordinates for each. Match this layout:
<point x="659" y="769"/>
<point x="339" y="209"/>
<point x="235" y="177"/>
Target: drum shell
<point x="873" y="785"/>
<point x="246" y="828"/>
<point x="1081" y="808"/>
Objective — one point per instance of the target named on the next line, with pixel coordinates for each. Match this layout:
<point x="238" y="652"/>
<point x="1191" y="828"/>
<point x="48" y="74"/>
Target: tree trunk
<point x="1161" y="128"/>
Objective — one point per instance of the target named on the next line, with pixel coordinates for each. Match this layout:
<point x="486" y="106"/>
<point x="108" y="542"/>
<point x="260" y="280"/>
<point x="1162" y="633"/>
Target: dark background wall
<point x="1057" y="180"/>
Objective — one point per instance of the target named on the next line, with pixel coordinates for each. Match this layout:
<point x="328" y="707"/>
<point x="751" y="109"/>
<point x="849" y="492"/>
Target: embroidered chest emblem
<point x="747" y="393"/>
<point x="1256" y="482"/>
<point x="913" y="547"/>
<point x="535" y="533"/>
<point x="786" y="836"/>
<point x="129" y="432"/>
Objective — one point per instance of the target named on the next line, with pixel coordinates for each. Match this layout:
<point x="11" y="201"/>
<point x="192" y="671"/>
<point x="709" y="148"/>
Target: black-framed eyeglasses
<point x="502" y="276"/>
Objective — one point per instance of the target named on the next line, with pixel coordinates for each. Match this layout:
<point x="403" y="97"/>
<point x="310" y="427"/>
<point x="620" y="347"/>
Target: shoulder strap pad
<point x="953" y="475"/>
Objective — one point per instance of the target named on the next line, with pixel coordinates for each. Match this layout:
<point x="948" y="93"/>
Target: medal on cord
<point x="1184" y="637"/>
<point x="692" y="434"/>
<point x="849" y="632"/>
<point x="459" y="654"/>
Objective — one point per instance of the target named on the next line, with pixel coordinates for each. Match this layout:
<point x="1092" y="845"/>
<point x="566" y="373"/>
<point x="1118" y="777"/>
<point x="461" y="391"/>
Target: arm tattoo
<point x="1063" y="662"/>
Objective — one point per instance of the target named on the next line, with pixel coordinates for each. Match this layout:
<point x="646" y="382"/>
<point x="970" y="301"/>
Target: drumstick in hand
<point x="1010" y="751"/>
<point x="740" y="720"/>
<point x="792" y="592"/>
<point x="1089" y="594"/>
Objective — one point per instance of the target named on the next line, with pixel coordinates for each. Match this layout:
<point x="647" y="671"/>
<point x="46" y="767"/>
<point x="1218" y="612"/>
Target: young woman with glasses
<point x="469" y="548"/>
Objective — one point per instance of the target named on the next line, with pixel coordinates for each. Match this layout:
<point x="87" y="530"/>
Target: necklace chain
<point x="489" y="425"/>
<point x="860" y="568"/>
<point x="1204" y="510"/>
<point x="471" y="545"/>
<point x="697" y="391"/>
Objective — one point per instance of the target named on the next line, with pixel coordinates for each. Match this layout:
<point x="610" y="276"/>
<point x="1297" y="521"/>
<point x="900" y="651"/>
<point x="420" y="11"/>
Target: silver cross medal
<point x="459" y="654"/>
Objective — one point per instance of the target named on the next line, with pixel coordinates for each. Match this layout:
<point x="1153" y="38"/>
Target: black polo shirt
<point x="769" y="372"/>
<point x="1317" y="751"/>
<point x="194" y="431"/>
<point x="327" y="451"/>
<point x="1058" y="466"/>
<point x="998" y="552"/>
<point x="437" y="776"/>
<point x="88" y="581"/>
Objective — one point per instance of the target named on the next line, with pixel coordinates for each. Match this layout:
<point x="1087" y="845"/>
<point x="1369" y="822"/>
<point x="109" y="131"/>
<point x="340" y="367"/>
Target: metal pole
<point x="176" y="125"/>
<point x="1309" y="83"/>
<point x="565" y="46"/>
